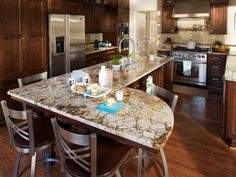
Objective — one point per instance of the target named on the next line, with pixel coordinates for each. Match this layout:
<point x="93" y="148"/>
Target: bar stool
<point x="86" y="155"/>
<point x="31" y="79"/>
<point x="28" y="135"/>
<point x="142" y="156"/>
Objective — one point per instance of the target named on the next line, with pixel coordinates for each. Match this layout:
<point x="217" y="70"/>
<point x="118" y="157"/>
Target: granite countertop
<point x="95" y="50"/>
<point x="230" y="68"/>
<point x="148" y="122"/>
<point x="127" y="77"/>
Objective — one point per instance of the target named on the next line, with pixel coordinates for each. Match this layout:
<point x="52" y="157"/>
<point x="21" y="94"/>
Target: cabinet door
<point x="34" y="38"/>
<point x="123" y="3"/>
<point x="65" y="6"/>
<point x="98" y="24"/>
<point x="123" y="15"/>
<point x="168" y="23"/>
<point x="218" y="18"/>
<point x="230" y="111"/>
<point x="11" y="38"/>
<point x="88" y="12"/>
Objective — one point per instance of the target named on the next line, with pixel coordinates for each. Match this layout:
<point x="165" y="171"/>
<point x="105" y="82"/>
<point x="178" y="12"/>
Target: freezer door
<point x="57" y="45"/>
<point x="76" y="41"/>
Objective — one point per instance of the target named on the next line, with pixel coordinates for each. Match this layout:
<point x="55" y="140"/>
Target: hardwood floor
<point x="195" y="148"/>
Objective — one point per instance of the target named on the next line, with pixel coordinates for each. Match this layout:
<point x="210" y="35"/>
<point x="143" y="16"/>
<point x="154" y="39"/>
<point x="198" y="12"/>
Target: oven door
<point x="197" y="76"/>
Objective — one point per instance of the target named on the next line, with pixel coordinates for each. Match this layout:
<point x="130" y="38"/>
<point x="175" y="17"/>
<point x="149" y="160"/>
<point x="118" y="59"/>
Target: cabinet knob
<point x="215" y="79"/>
<point x="215" y="67"/>
<point x="211" y="30"/>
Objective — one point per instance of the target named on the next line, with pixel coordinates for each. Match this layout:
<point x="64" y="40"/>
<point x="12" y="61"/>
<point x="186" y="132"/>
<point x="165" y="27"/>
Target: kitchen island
<point x="230" y="100"/>
<point x="144" y="119"/>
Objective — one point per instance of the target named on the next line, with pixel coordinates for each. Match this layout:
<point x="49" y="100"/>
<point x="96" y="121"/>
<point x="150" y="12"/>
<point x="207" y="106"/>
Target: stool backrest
<point x="80" y="148"/>
<point x="20" y="123"/>
<point x="31" y="79"/>
<point x="169" y="97"/>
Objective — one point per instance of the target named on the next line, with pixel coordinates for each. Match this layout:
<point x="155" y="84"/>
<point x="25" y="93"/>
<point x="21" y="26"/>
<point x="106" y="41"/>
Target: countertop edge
<point x="96" y="51"/>
<point x="230" y="68"/>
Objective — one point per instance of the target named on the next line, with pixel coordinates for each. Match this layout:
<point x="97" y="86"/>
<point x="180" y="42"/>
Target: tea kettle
<point x="191" y="44"/>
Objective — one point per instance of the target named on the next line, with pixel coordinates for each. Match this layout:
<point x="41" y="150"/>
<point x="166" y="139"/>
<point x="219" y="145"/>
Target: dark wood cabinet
<point x="99" y="57"/>
<point x="168" y="24"/>
<point x="161" y="77"/>
<point x="24" y="35"/>
<point x="123" y="3"/>
<point x="65" y="6"/>
<point x="218" y="18"/>
<point x="123" y="15"/>
<point x="34" y="37"/>
<point x="215" y="71"/>
<point x="230" y="111"/>
<point x="166" y="3"/>
<point x="219" y="1"/>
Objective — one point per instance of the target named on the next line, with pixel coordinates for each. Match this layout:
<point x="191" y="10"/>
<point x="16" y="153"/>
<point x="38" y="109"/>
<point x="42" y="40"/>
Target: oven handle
<point x="200" y="62"/>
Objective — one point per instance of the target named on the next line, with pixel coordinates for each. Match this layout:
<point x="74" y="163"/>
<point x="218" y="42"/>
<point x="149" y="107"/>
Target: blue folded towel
<point x="112" y="109"/>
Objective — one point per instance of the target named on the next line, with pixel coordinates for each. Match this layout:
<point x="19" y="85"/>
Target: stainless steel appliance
<point x="198" y="71"/>
<point x="124" y="33"/>
<point x="66" y="43"/>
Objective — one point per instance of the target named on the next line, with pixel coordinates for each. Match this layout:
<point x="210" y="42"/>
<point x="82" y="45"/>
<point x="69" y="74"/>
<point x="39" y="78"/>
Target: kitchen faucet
<point x="132" y="41"/>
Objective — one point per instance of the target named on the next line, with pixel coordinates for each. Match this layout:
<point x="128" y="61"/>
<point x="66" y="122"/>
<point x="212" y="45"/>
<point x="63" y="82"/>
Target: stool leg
<point x="165" y="166"/>
<point x="118" y="173"/>
<point x="139" y="167"/>
<point x="33" y="165"/>
<point x="17" y="163"/>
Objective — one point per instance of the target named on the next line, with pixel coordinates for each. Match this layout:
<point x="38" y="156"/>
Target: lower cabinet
<point x="230" y="111"/>
<point x="215" y="71"/>
<point x="99" y="57"/>
<point x="162" y="77"/>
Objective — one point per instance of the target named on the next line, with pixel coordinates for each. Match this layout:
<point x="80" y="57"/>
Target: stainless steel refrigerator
<point x="66" y="43"/>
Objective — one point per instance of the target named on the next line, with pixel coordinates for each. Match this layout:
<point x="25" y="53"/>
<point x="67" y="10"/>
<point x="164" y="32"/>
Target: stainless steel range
<point x="190" y="66"/>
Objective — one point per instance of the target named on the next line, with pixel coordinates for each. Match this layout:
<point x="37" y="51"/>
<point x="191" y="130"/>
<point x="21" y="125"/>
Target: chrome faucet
<point x="130" y="39"/>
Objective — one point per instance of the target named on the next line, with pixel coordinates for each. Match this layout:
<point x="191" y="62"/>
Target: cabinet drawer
<point x="215" y="82"/>
<point x="215" y="70"/>
<point x="216" y="58"/>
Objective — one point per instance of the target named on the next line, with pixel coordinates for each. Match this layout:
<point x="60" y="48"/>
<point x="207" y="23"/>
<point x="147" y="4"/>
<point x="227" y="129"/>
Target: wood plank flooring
<point x="195" y="148"/>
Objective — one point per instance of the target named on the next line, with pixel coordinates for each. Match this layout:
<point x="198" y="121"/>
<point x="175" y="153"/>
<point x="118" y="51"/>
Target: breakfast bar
<point x="145" y="124"/>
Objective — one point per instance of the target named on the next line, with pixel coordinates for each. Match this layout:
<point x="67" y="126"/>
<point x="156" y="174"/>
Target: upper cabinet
<point x="168" y="24"/>
<point x="218" y="18"/>
<point x="65" y="6"/>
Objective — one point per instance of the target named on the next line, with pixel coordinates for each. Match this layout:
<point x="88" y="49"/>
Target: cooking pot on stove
<point x="191" y="44"/>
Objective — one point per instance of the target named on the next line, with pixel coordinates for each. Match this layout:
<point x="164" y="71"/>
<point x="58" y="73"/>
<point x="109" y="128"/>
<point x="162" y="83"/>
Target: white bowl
<point x="116" y="67"/>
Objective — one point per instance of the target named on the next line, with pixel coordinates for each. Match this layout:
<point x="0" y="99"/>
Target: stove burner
<point x="197" y="49"/>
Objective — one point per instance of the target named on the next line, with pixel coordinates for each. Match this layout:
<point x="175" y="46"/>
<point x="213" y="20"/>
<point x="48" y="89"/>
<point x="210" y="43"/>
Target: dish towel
<point x="187" y="65"/>
<point x="112" y="109"/>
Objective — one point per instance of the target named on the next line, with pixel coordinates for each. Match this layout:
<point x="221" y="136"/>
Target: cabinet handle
<point x="211" y="30"/>
<point x="215" y="67"/>
<point x="215" y="79"/>
<point x="216" y="58"/>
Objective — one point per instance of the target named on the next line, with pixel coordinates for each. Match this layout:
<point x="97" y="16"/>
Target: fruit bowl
<point x="220" y="50"/>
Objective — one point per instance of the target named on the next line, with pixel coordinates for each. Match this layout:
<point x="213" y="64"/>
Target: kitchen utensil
<point x="191" y="44"/>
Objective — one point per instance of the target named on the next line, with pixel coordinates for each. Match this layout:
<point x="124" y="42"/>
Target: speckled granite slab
<point x="230" y="68"/>
<point x="128" y="76"/>
<point x="144" y="119"/>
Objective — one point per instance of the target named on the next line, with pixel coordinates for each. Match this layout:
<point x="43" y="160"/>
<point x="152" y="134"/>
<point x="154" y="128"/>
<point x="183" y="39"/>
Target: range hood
<point x="191" y="8"/>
